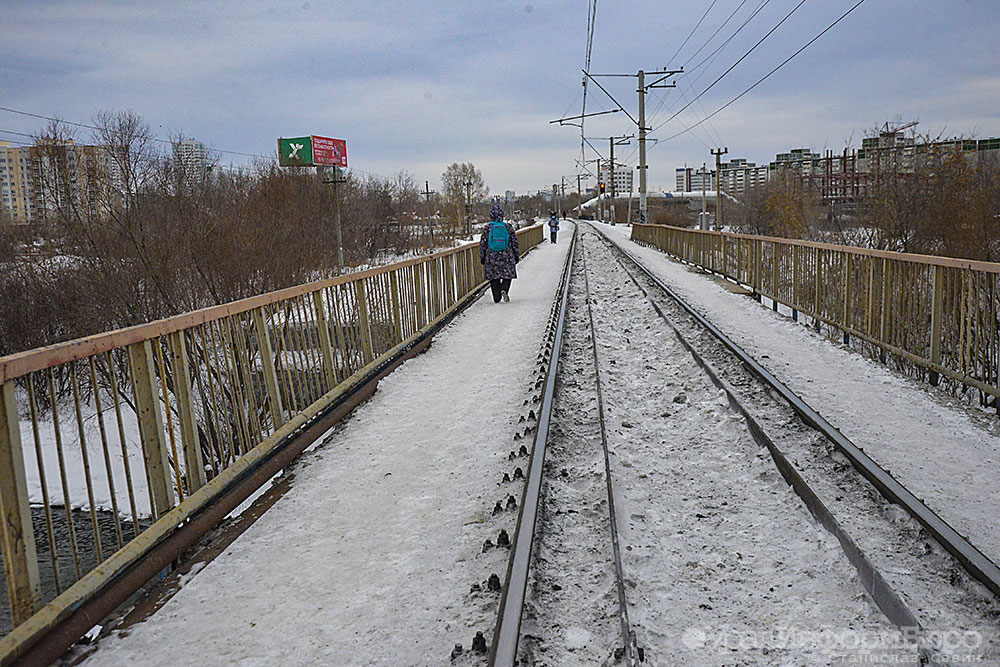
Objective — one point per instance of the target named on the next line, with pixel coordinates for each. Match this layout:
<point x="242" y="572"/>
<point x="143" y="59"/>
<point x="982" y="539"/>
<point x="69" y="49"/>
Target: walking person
<point x="553" y="225"/>
<point x="499" y="253"/>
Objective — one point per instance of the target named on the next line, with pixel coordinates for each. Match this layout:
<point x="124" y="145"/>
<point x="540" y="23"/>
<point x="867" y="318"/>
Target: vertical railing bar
<point x="147" y="402"/>
<point x="165" y="397"/>
<point x="50" y="532"/>
<point x="17" y="534"/>
<point x="315" y="360"/>
<point x="242" y="352"/>
<point x="104" y="449"/>
<point x="239" y="403"/>
<point x="194" y="465"/>
<point x="233" y="421"/>
<point x="293" y="403"/>
<point x="62" y="472"/>
<point x="88" y="479"/>
<point x="116" y="399"/>
<point x="301" y="356"/>
<point x="209" y="410"/>
<point x="212" y="369"/>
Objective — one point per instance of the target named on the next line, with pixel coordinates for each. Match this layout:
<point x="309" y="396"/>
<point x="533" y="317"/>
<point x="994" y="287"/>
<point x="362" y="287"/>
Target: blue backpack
<point x="499" y="237"/>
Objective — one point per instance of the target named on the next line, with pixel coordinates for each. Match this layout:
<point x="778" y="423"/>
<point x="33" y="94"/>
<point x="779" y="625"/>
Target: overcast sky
<point x="418" y="85"/>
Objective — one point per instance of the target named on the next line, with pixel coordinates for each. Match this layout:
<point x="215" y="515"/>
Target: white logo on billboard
<point x="294" y="155"/>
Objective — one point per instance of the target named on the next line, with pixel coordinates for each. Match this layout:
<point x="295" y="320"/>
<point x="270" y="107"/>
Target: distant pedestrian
<point x="553" y="225"/>
<point x="499" y="253"/>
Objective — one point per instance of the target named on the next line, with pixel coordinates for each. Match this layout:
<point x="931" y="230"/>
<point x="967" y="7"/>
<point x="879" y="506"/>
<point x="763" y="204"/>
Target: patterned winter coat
<point x="499" y="264"/>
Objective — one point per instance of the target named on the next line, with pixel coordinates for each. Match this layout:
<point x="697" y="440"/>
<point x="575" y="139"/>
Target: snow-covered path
<point x="942" y="451"/>
<point x="370" y="556"/>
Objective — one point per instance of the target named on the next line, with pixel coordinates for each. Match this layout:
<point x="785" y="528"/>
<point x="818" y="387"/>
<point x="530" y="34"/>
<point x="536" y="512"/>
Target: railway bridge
<point x="670" y="447"/>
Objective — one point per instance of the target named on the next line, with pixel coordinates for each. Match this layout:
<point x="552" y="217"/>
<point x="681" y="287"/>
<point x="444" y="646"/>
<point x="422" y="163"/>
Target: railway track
<point x="687" y="480"/>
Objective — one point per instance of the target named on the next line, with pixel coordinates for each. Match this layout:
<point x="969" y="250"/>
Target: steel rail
<point x="506" y="633"/>
<point x="886" y="598"/>
<point x="629" y="647"/>
<point x="975" y="562"/>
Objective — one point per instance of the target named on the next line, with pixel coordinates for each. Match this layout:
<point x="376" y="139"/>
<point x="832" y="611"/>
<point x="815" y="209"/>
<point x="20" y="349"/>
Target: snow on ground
<point x="369" y="557"/>
<point x="73" y="462"/>
<point x="714" y="542"/>
<point x="945" y="453"/>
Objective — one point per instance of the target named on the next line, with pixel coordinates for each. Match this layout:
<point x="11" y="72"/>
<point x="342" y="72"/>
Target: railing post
<point x="17" y="537"/>
<point x="267" y="368"/>
<point x="325" y="342"/>
<point x="846" y="315"/>
<point x="775" y="249"/>
<point x="936" y="315"/>
<point x="795" y="281"/>
<point x="397" y="320"/>
<point x="419" y="295"/>
<point x="154" y="443"/>
<point x="360" y="293"/>
<point x="883" y="309"/>
<point x="194" y="464"/>
<point x="819" y="270"/>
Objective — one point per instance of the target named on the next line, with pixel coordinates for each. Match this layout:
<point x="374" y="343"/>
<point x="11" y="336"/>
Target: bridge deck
<point x="371" y="554"/>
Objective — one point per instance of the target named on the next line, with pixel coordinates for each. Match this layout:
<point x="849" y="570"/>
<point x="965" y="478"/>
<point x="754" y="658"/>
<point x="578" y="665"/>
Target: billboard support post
<point x="319" y="152"/>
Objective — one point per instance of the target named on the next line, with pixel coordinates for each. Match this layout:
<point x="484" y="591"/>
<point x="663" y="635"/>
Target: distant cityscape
<point x="839" y="177"/>
<point x="36" y="179"/>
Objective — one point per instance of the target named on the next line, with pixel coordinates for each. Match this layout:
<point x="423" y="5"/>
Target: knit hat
<point x="496" y="213"/>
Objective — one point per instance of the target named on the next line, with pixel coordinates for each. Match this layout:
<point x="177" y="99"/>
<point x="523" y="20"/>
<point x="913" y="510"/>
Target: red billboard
<point x="329" y="152"/>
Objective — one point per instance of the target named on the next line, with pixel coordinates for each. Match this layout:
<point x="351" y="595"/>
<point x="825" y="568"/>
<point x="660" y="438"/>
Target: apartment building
<point x="622" y="179"/>
<point x="192" y="158"/>
<point x="16" y="191"/>
<point x="737" y="175"/>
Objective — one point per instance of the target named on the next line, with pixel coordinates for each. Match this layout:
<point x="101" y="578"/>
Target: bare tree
<point x="463" y="187"/>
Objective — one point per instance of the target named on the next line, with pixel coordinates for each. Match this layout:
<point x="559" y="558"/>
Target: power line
<point x="717" y="31"/>
<point x="94" y="127"/>
<point x="157" y="139"/>
<point x="766" y="76"/>
<point x="715" y="54"/>
<point x="591" y="23"/>
<point x="696" y="25"/>
<point x="733" y="66"/>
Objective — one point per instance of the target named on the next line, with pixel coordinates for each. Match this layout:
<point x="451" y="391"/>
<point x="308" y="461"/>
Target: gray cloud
<point x="418" y="85"/>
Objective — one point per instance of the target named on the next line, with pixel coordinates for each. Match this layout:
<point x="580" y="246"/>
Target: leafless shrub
<point x="147" y="241"/>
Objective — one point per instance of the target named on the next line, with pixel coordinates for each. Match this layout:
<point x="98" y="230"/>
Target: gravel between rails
<point x="719" y="553"/>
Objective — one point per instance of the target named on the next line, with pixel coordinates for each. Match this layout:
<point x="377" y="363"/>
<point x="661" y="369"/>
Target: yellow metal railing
<point x="100" y="437"/>
<point x="939" y="313"/>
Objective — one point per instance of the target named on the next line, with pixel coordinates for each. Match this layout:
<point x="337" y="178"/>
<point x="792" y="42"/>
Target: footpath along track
<point x="711" y="539"/>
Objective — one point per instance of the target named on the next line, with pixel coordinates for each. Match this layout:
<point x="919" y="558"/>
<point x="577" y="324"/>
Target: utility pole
<point x="430" y="224"/>
<point x="615" y="141"/>
<point x="718" y="153"/>
<point x="468" y="207"/>
<point x="562" y="185"/>
<point x="336" y="181"/>
<point x="642" y="147"/>
<point x="628" y="219"/>
<point x="601" y="185"/>
<point x="661" y="76"/>
<point x="704" y="212"/>
<point x="555" y="197"/>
